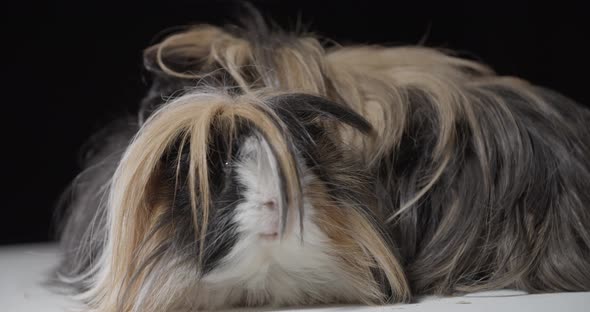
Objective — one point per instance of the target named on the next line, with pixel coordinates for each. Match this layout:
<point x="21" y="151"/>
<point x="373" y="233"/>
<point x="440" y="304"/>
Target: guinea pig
<point x="310" y="175"/>
<point x="221" y="201"/>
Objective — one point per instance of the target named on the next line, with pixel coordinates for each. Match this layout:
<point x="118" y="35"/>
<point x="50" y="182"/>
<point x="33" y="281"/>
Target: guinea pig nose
<point x="271" y="204"/>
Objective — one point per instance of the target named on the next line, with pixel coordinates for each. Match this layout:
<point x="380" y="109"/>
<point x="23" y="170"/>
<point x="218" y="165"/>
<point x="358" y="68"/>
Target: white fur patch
<point x="259" y="270"/>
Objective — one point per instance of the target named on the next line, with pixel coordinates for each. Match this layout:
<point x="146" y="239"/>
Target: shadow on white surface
<point x="25" y="269"/>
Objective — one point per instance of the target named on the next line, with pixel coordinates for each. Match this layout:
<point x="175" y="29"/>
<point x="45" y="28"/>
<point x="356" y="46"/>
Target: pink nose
<point x="271" y="204"/>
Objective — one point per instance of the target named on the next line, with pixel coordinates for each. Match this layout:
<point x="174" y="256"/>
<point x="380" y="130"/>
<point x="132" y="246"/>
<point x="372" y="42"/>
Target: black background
<point x="71" y="66"/>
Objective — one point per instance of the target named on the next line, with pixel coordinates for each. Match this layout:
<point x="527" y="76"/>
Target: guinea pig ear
<point x="310" y="108"/>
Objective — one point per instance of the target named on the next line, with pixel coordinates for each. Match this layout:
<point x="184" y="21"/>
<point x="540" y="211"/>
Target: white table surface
<point x="24" y="268"/>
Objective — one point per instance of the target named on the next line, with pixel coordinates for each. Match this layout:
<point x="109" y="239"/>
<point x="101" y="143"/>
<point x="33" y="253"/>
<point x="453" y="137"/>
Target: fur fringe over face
<point x="386" y="172"/>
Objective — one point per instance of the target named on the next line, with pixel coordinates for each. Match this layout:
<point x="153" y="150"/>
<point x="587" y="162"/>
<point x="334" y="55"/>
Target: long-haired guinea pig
<point x="408" y="171"/>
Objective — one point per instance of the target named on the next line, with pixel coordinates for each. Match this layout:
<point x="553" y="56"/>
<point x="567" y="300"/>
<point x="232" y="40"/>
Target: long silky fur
<point x="472" y="181"/>
<point x="482" y="178"/>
